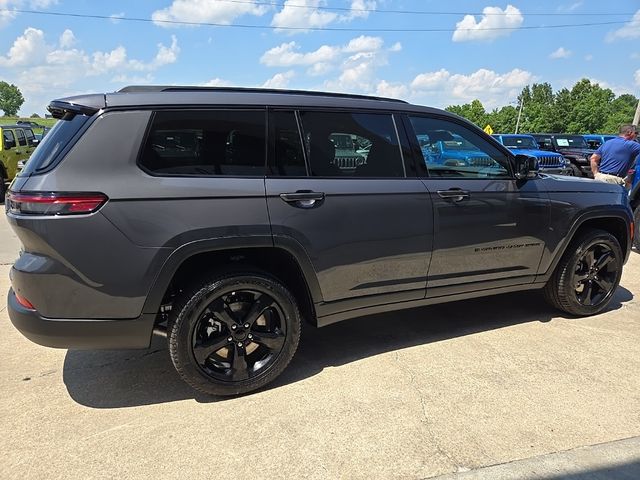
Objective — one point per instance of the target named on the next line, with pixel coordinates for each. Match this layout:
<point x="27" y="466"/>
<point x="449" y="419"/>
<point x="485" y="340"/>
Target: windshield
<point x="519" y="142"/>
<point x="576" y="141"/>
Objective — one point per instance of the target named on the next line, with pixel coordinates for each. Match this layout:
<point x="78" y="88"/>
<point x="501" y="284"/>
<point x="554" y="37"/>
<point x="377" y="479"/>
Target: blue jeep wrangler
<point x="548" y="162"/>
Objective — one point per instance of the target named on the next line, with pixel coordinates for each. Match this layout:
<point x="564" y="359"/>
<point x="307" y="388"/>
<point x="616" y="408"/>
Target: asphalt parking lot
<point x="502" y="387"/>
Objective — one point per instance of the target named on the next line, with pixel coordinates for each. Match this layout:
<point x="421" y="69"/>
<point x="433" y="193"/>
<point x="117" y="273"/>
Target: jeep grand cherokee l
<point x="220" y="218"/>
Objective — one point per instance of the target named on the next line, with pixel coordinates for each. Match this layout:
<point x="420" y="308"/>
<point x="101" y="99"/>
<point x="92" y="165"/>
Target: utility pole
<point x="520" y="113"/>
<point x="636" y="117"/>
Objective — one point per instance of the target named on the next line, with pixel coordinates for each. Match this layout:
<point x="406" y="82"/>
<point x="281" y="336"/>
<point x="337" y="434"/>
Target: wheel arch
<point x="287" y="262"/>
<point x="617" y="222"/>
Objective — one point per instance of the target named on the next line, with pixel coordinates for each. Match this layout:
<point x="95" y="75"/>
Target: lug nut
<point x="239" y="344"/>
<point x="250" y="336"/>
<point x="233" y="327"/>
<point x="246" y="325"/>
<point x="230" y="339"/>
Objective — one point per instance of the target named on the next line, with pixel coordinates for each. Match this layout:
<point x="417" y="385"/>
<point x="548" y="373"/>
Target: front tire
<point x="574" y="170"/>
<point x="588" y="274"/>
<point x="234" y="333"/>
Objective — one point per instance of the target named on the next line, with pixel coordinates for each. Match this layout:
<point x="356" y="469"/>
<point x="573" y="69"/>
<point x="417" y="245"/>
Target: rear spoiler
<point x="67" y="108"/>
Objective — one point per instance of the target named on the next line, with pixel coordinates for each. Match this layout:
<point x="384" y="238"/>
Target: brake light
<point x="54" y="203"/>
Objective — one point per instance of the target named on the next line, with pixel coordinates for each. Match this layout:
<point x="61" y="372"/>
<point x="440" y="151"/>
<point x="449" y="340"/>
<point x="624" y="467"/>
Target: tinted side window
<point x="30" y="136"/>
<point x="451" y="150"/>
<point x="288" y="156"/>
<point x="352" y="145"/>
<point x="9" y="139"/>
<point x="22" y="141"/>
<point x="202" y="143"/>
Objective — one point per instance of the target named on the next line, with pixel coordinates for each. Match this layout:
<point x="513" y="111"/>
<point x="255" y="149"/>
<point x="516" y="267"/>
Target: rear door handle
<point x="303" y="199"/>
<point x="454" y="194"/>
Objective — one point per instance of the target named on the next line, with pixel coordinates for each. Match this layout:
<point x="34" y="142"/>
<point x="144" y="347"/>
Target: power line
<point x="320" y="29"/>
<point x="416" y="12"/>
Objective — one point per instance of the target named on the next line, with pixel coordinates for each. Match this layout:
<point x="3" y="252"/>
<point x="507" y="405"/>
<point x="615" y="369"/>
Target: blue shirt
<point x="617" y="155"/>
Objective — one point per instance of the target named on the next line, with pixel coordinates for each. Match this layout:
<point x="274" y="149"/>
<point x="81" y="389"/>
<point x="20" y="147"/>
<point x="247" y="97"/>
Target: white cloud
<point x="206" y="11"/>
<point x="279" y="80"/>
<point x="560" y="53"/>
<point x="629" y="31"/>
<point x="286" y="55"/>
<point x="167" y="55"/>
<point x="67" y="39"/>
<point x="218" y="82"/>
<point x="392" y="90"/>
<point x="27" y="49"/>
<point x="442" y="88"/>
<point x="8" y="8"/>
<point x="494" y="23"/>
<point x="115" y="17"/>
<point x="357" y="61"/>
<point x="305" y="14"/>
<point x="588" y="57"/>
<point x="570" y="7"/>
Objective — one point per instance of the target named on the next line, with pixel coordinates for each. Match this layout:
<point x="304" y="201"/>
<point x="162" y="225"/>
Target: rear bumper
<point x="80" y="333"/>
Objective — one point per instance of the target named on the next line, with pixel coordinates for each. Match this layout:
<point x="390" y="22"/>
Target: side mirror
<point x="526" y="167"/>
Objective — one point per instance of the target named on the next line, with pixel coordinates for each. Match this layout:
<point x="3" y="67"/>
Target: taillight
<point x="23" y="301"/>
<point x="54" y="203"/>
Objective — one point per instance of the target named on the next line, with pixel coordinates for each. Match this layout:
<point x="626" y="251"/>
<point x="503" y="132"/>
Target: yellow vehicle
<point x="16" y="145"/>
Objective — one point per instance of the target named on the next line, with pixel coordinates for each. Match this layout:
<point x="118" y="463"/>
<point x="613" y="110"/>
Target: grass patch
<point x="43" y="122"/>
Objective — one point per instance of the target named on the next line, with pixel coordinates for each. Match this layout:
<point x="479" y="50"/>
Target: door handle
<point x="303" y="199"/>
<point x="454" y="194"/>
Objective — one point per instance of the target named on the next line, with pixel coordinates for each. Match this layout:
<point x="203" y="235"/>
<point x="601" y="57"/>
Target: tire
<point x="233" y="333"/>
<point x="588" y="274"/>
<point x="574" y="170"/>
<point x="636" y="227"/>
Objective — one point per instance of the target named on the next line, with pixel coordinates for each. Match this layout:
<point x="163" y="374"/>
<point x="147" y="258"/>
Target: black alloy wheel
<point x="588" y="274"/>
<point x="234" y="333"/>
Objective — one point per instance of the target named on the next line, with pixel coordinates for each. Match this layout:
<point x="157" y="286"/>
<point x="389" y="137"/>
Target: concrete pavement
<point x="449" y="389"/>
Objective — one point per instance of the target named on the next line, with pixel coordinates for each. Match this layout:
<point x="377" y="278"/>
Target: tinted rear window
<point x="53" y="144"/>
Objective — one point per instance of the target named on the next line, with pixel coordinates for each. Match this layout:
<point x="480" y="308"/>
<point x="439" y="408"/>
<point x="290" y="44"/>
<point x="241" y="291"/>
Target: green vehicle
<point x="17" y="142"/>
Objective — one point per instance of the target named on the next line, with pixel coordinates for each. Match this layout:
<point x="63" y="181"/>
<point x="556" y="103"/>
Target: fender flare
<point x="188" y="250"/>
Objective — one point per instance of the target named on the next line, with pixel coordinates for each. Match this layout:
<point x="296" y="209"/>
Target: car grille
<point x="549" y="161"/>
<point x="348" y="162"/>
<point x="481" y="162"/>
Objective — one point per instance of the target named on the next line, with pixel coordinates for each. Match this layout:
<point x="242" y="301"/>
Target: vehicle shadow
<point x="115" y="379"/>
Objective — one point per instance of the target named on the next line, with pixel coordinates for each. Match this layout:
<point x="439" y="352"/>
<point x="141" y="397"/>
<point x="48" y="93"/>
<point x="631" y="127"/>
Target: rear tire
<point x="233" y="333"/>
<point x="588" y="274"/>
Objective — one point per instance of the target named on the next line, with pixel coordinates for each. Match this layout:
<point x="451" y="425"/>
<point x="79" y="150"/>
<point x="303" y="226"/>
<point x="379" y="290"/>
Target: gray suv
<point x="224" y="219"/>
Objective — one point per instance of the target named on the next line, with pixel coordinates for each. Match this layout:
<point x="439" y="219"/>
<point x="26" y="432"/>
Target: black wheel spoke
<point x="585" y="297"/>
<point x="603" y="261"/>
<point x="262" y="303"/>
<point x="579" y="278"/>
<point x="203" y="350"/>
<point x="239" y="367"/>
<point x="272" y="341"/>
<point x="605" y="285"/>
<point x="222" y="313"/>
<point x="589" y="258"/>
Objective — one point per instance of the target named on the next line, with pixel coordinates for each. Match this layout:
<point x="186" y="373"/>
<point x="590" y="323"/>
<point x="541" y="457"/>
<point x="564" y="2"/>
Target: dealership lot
<point x="411" y="394"/>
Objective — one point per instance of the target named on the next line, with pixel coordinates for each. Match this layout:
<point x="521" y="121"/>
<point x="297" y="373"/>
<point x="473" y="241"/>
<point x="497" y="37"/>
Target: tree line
<point x="585" y="108"/>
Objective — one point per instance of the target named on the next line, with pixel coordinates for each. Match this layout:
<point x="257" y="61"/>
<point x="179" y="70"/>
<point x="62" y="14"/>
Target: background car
<point x="595" y="140"/>
<point x="574" y="148"/>
<point x="548" y="162"/>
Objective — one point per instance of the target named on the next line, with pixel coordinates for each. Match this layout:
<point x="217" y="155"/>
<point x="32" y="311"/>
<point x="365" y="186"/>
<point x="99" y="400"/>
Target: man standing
<point x="612" y="160"/>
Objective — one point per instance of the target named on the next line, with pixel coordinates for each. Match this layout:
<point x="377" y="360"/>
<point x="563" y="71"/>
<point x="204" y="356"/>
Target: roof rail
<point x="174" y="88"/>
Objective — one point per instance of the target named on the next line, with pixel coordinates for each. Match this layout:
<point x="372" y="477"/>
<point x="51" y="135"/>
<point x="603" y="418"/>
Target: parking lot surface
<point x="448" y="389"/>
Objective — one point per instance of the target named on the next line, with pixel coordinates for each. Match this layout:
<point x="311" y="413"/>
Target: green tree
<point x="11" y="99"/>
<point x="622" y="111"/>
<point x="474" y="112"/>
<point x="503" y="120"/>
<point x="537" y="107"/>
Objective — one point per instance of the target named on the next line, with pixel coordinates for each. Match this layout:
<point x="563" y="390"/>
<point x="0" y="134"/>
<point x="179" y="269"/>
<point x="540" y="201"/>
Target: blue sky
<point x="486" y="49"/>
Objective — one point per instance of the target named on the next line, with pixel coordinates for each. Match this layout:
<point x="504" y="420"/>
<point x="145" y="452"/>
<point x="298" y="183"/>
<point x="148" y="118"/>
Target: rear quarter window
<point x="53" y="144"/>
